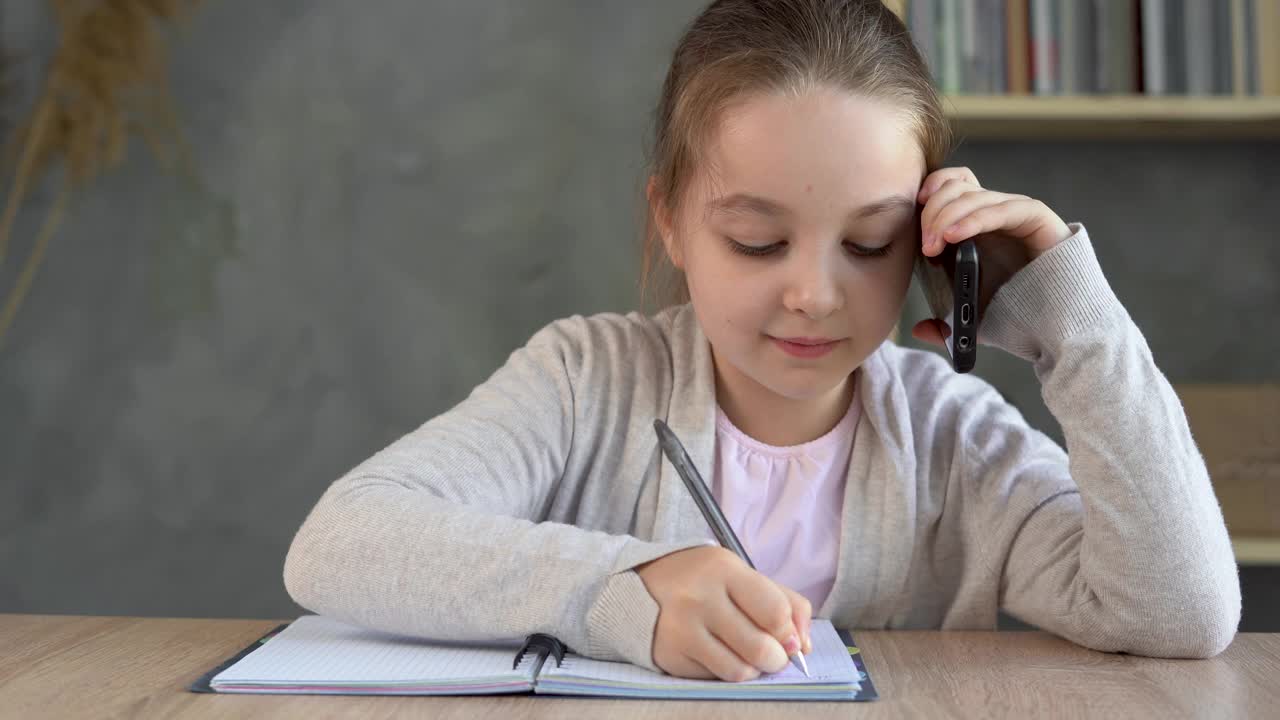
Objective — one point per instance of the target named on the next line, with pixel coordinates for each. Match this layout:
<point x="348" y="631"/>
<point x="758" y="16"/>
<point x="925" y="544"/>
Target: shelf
<point x="1256" y="551"/>
<point x="1007" y="117"/>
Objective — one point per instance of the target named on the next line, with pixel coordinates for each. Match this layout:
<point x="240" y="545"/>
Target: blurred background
<point x="378" y="202"/>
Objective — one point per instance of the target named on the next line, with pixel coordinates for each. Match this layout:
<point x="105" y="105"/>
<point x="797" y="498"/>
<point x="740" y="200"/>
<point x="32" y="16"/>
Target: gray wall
<point x="384" y="204"/>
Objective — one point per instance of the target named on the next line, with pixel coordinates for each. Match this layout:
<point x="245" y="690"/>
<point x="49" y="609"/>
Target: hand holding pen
<point x="751" y="594"/>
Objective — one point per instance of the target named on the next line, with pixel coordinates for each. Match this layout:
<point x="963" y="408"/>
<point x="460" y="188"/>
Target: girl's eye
<point x="753" y="250"/>
<point x="861" y="251"/>
<point x="762" y="250"/>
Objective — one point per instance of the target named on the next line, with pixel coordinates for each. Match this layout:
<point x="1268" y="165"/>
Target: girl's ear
<point x="662" y="221"/>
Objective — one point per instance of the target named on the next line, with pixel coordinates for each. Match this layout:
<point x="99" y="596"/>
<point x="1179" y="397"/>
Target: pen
<point x="675" y="452"/>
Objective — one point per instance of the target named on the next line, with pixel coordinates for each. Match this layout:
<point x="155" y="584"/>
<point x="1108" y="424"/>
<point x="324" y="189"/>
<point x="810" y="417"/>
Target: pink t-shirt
<point x="784" y="503"/>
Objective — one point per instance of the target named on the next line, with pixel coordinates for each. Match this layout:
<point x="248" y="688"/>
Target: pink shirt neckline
<point x="833" y="436"/>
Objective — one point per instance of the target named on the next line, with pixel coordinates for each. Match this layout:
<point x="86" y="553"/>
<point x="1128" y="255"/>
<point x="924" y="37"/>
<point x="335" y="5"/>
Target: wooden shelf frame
<point x="1020" y="117"/>
<point x="1257" y="550"/>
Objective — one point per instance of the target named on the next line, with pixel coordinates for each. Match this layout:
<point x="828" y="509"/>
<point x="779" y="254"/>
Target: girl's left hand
<point x="1010" y="230"/>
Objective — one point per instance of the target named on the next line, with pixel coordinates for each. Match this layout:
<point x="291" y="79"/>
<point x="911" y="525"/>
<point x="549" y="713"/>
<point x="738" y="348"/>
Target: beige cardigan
<point x="524" y="508"/>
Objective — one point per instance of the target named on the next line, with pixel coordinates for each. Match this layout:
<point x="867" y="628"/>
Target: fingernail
<point x="808" y="644"/>
<point x="952" y="230"/>
<point x="792" y="645"/>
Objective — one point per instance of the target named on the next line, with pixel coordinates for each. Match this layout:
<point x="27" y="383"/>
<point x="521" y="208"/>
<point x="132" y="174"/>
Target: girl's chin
<point x="801" y="386"/>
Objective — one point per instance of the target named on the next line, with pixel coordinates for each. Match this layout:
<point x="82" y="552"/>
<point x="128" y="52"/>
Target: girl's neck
<point x="775" y="420"/>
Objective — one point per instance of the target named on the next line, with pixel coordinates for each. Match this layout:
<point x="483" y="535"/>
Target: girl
<point x="796" y="178"/>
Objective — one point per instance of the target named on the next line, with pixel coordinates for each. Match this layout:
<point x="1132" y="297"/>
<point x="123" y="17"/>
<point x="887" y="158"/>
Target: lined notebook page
<point x="828" y="663"/>
<point x="317" y="652"/>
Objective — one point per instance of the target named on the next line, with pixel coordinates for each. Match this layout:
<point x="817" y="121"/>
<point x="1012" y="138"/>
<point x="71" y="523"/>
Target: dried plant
<point x="106" y="80"/>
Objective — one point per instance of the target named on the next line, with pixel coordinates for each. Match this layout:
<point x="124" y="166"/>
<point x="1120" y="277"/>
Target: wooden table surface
<point x="61" y="666"/>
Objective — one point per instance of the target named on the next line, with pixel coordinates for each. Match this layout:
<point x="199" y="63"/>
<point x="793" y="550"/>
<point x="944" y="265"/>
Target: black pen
<point x="675" y="452"/>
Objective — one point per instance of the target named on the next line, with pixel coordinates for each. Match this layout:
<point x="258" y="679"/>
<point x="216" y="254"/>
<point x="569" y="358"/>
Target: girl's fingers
<point x="763" y="602"/>
<point x="1016" y="216"/>
<point x="801" y="616"/>
<point x="938" y="178"/>
<point x="942" y="197"/>
<point x="715" y="656"/>
<point x="957" y="208"/>
<point x="687" y="667"/>
<point x="931" y="331"/>
<point x="740" y="634"/>
<point x="955" y="211"/>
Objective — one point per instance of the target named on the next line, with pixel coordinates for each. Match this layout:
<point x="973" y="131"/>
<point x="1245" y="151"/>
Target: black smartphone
<point x="950" y="285"/>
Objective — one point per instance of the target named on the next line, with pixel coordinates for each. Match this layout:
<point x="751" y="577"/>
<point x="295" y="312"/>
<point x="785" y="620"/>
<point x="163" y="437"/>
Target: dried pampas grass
<point x="105" y="81"/>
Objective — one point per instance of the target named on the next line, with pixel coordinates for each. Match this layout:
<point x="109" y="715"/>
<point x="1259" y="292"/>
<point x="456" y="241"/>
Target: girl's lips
<point x="805" y="350"/>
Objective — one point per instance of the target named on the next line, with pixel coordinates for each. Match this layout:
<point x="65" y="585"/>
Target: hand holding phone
<point x="1014" y="230"/>
<point x="950" y="282"/>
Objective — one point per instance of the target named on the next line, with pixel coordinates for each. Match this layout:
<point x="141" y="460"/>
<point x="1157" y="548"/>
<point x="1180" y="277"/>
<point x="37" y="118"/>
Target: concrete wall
<point x="381" y="205"/>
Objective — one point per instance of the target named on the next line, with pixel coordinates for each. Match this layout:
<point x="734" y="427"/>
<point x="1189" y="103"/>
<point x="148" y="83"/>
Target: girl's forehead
<point x="819" y="146"/>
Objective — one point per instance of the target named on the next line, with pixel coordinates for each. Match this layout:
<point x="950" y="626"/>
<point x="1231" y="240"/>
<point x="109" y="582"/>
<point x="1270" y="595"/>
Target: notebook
<point x="319" y="655"/>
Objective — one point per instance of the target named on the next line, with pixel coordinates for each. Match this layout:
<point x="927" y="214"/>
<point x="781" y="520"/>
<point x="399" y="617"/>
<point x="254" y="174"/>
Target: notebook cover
<point x="201" y="685"/>
<point x="868" y="691"/>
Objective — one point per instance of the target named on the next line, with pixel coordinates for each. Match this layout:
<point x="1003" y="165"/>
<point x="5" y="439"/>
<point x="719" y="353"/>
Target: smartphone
<point x="950" y="285"/>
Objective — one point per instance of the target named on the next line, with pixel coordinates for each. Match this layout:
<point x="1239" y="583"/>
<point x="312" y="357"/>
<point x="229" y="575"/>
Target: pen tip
<point x="799" y="660"/>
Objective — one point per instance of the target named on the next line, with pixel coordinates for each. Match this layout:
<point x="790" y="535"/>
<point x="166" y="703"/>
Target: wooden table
<point x="74" y="666"/>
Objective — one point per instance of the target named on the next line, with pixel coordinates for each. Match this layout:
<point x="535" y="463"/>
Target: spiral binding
<point x="547" y="644"/>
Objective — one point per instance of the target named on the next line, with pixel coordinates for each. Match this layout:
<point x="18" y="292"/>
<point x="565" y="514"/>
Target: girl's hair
<point x="736" y="47"/>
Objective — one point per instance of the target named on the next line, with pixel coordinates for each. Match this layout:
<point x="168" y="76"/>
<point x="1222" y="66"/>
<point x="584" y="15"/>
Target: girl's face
<point x="801" y="227"/>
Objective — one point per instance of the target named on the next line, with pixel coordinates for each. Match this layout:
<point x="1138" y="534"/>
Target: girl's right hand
<point x="718" y="618"/>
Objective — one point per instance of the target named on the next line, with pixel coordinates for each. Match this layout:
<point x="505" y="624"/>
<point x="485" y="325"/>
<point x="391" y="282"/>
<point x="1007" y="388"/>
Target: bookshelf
<point x="1011" y="117"/>
<point x="1214" y="66"/>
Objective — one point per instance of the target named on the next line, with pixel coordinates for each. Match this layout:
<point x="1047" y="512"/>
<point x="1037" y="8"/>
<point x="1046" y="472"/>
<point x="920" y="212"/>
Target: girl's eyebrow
<point x="890" y="204"/>
<point x="746" y="204"/>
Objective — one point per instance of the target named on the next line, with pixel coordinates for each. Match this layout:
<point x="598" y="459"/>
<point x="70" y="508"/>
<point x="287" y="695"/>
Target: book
<point x="1266" y="45"/>
<point x="973" y="51"/>
<point x="1115" y="71"/>
<point x="1224" y="48"/>
<point x="318" y="655"/>
<point x="1069" y="32"/>
<point x="1017" y="51"/>
<point x="923" y="23"/>
<point x="1244" y="33"/>
<point x="1244" y="78"/>
<point x="949" y="47"/>
<point x="993" y="16"/>
<point x="1199" y="41"/>
<point x="1087" y="47"/>
<point x="1155" y="59"/>
<point x="1175" y="45"/>
<point x="982" y="44"/>
<point x="1045" y="76"/>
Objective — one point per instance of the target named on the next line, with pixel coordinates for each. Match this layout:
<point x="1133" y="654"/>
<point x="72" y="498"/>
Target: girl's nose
<point x="812" y="289"/>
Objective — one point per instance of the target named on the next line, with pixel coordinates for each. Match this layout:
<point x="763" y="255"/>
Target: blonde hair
<point x="736" y="47"/>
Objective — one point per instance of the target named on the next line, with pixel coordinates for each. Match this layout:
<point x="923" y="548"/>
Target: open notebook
<point x="319" y="655"/>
